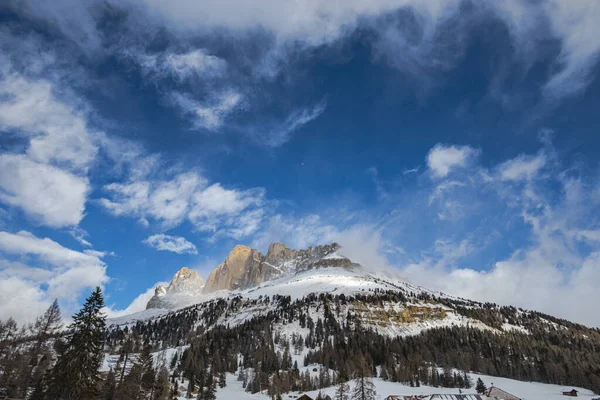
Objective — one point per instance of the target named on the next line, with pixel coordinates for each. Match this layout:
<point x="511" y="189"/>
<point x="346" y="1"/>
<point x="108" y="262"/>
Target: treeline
<point x="340" y="343"/>
<point x="42" y="362"/>
<point x="39" y="363"/>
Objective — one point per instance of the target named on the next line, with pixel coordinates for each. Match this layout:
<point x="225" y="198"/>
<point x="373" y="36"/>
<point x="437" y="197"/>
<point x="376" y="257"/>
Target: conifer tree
<point x="364" y="389"/>
<point x="148" y="375"/>
<point x="163" y="386"/>
<point x="480" y="387"/>
<point x="109" y="386"/>
<point x="468" y="381"/>
<point x="342" y="391"/>
<point x="44" y="327"/>
<point x="75" y="374"/>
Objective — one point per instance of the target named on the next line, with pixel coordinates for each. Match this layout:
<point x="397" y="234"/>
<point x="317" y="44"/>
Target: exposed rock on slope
<point x="185" y="284"/>
<point x="246" y="267"/>
<point x="241" y="268"/>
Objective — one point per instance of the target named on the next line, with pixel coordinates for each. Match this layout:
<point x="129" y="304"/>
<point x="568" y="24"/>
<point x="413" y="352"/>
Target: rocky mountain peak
<point x="246" y="267"/>
<point x="185" y="282"/>
<point x="279" y="252"/>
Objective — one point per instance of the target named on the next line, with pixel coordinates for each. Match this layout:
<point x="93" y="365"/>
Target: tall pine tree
<point x="364" y="389"/>
<point x="75" y="374"/>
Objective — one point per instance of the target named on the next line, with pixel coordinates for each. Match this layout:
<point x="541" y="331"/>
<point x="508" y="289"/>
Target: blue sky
<point x="455" y="142"/>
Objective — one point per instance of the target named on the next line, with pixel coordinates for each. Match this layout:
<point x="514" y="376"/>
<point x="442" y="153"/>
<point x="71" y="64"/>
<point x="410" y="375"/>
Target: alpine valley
<point x="304" y="320"/>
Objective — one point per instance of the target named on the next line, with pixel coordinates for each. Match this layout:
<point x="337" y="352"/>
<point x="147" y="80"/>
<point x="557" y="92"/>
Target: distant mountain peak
<point x="245" y="267"/>
<point x="186" y="282"/>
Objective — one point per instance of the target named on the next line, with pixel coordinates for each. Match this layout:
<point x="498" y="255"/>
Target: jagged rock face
<point x="242" y="268"/>
<point x="185" y="283"/>
<point x="246" y="267"/>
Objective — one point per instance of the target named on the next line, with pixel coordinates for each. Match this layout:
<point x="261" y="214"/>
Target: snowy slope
<point x="334" y="281"/>
<point x="524" y="390"/>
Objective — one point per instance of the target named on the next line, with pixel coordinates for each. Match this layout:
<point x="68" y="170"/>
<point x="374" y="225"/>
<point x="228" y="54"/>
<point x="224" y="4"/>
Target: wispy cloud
<point x="294" y="121"/>
<point x="80" y="235"/>
<point x="523" y="167"/>
<point x="48" y="181"/>
<point x="277" y="133"/>
<point x="175" y="244"/>
<point x="188" y="196"/>
<point x="181" y="66"/>
<point x="442" y="159"/>
<point x="209" y="116"/>
<point x="64" y="274"/>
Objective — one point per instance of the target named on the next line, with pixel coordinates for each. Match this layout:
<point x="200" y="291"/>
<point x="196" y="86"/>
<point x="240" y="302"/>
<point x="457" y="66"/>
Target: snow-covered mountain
<point x="184" y="289"/>
<point x="247" y="275"/>
<point x="338" y="314"/>
<point x="246" y="268"/>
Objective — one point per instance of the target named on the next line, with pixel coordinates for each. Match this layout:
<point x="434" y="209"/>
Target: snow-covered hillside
<point x="332" y="281"/>
<point x="523" y="390"/>
<point x="320" y="307"/>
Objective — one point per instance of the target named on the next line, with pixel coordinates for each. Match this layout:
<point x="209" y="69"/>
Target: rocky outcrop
<point x="185" y="284"/>
<point x="245" y="267"/>
<point x="241" y="268"/>
<point x="185" y="281"/>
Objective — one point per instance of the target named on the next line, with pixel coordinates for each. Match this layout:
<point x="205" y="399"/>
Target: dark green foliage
<point x="338" y="341"/>
<point x="76" y="375"/>
<point x="480" y="387"/>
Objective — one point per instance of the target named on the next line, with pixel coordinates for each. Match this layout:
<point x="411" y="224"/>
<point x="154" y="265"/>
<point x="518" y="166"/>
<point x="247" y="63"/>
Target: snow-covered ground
<point x="523" y="390"/>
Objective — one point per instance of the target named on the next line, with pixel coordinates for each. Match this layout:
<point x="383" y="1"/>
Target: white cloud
<point x="210" y="208"/>
<point x="548" y="226"/>
<point x="209" y="116"/>
<point x="282" y="133"/>
<point x="48" y="181"/>
<point x="442" y="159"/>
<point x="60" y="273"/>
<point x="80" y="235"/>
<point x="432" y="39"/>
<point x="196" y="63"/>
<point x="420" y="38"/>
<point x="522" y="167"/>
<point x="57" y="133"/>
<point x="49" y="195"/>
<point x="21" y="300"/>
<point x="576" y="24"/>
<point x="175" y="244"/>
<point x="46" y="249"/>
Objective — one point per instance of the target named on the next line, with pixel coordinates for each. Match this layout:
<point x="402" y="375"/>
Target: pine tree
<point x="364" y="389"/>
<point x="468" y="381"/>
<point x="222" y="380"/>
<point x="109" y="387"/>
<point x="130" y="389"/>
<point x="342" y="391"/>
<point x="148" y="375"/>
<point x="47" y="325"/>
<point x="163" y="386"/>
<point x="44" y="327"/>
<point x="190" y="388"/>
<point x="75" y="374"/>
<point x="210" y="392"/>
<point x="480" y="386"/>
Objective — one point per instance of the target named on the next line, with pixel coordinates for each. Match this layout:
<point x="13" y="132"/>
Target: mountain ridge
<point x="244" y="268"/>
